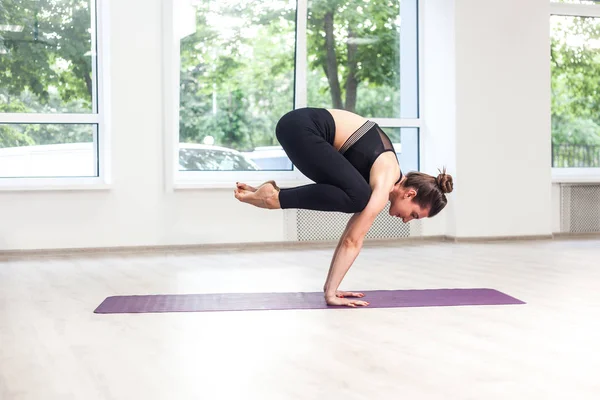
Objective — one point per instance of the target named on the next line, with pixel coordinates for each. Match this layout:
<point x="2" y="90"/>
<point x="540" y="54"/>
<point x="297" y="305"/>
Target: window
<point x="362" y="59"/>
<point x="50" y="123"/>
<point x="236" y="66"/>
<point x="575" y="66"/>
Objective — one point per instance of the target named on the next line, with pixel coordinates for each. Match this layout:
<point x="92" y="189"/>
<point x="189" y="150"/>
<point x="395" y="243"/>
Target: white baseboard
<point x="484" y="239"/>
<point x="282" y="245"/>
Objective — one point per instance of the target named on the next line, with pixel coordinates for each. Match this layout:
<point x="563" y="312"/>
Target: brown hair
<point x="430" y="190"/>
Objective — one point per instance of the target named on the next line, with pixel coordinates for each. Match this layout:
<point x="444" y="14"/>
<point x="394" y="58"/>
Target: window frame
<point x="572" y="175"/>
<point x="178" y="180"/>
<point x="100" y="116"/>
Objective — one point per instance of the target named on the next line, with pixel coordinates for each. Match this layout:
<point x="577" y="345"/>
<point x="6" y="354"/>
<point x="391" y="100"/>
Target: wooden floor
<point x="52" y="346"/>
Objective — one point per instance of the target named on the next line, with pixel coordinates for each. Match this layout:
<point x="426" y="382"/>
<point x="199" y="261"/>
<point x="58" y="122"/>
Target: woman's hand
<point x="339" y="293"/>
<point x="337" y="301"/>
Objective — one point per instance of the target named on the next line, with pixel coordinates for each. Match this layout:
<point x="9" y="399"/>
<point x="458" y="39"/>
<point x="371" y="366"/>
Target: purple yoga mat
<point x="303" y="300"/>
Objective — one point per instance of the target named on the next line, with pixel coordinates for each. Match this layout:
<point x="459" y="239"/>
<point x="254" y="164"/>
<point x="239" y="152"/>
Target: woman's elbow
<point x="353" y="242"/>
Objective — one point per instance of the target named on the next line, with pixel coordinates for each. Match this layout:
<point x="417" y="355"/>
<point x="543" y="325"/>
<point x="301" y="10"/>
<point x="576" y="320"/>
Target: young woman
<point x="355" y="170"/>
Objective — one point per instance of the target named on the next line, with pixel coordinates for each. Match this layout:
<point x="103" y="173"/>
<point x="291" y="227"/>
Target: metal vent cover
<point x="309" y="225"/>
<point x="580" y="208"/>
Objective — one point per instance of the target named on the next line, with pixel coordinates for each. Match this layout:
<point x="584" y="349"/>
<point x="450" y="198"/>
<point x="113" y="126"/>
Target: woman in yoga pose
<point x="355" y="170"/>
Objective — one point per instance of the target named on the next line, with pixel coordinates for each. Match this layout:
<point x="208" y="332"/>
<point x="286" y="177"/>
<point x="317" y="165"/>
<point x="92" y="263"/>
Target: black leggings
<point x="307" y="136"/>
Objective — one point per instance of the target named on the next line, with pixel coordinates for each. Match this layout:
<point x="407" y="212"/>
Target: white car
<point x="202" y="157"/>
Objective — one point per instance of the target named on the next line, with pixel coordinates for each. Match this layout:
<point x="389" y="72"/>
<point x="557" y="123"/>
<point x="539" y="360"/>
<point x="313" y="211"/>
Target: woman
<point x="355" y="170"/>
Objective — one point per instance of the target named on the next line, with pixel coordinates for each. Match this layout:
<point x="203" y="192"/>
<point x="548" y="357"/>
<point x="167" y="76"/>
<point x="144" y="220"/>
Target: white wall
<point x="438" y="134"/>
<point x="486" y="78"/>
<point x="503" y="118"/>
<point x="501" y="121"/>
<point x="556" y="216"/>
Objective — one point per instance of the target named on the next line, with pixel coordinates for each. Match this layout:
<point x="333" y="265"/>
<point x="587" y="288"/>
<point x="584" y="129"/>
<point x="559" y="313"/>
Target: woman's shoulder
<point x="386" y="170"/>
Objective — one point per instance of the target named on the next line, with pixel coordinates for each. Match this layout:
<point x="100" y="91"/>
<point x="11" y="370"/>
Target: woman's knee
<point x="285" y="124"/>
<point x="359" y="198"/>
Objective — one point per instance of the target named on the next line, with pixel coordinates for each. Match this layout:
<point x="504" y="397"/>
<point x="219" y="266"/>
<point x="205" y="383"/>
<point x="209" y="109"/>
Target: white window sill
<point x="227" y="179"/>
<point x="52" y="184"/>
<point x="231" y="185"/>
<point x="576" y="175"/>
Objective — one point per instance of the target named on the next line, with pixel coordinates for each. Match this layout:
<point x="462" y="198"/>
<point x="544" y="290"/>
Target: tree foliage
<point x="45" y="67"/>
<point x="575" y="62"/>
<point x="50" y="49"/>
<point x="354" y="42"/>
<point x="237" y="75"/>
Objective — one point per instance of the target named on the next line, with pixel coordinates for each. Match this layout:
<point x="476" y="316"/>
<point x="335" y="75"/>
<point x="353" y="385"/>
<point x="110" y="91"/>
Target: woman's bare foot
<point x="265" y="196"/>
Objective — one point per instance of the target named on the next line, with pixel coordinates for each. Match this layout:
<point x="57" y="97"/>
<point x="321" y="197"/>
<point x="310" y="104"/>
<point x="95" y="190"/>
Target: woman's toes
<point x="239" y="194"/>
<point x="243" y="186"/>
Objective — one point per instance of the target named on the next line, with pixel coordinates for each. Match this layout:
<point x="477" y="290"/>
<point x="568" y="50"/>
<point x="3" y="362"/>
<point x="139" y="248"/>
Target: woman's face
<point x="403" y="206"/>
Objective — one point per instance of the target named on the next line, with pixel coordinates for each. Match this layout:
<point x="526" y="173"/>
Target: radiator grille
<point x="327" y="226"/>
<point x="580" y="208"/>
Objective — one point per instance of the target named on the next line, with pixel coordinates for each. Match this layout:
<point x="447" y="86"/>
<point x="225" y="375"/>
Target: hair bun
<point x="444" y="181"/>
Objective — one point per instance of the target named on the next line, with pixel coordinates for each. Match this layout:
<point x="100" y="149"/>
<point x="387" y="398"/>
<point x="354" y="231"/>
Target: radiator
<point x="580" y="208"/>
<point x="308" y="225"/>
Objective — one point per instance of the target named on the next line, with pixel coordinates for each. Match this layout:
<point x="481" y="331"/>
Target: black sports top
<point x="364" y="146"/>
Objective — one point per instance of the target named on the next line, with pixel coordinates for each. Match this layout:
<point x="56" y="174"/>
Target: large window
<point x="575" y="66"/>
<point x="240" y="65"/>
<point x="50" y="122"/>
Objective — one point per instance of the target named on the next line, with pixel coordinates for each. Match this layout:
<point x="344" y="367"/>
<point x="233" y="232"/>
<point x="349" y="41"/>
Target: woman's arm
<point x="350" y="245"/>
<point x="340" y="242"/>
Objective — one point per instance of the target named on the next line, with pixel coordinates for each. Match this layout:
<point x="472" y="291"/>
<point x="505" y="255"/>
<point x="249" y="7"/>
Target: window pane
<point x="236" y="81"/>
<point x="48" y="150"/>
<point x="47" y="63"/>
<point x="406" y="144"/>
<point x="575" y="64"/>
<point x="361" y="58"/>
